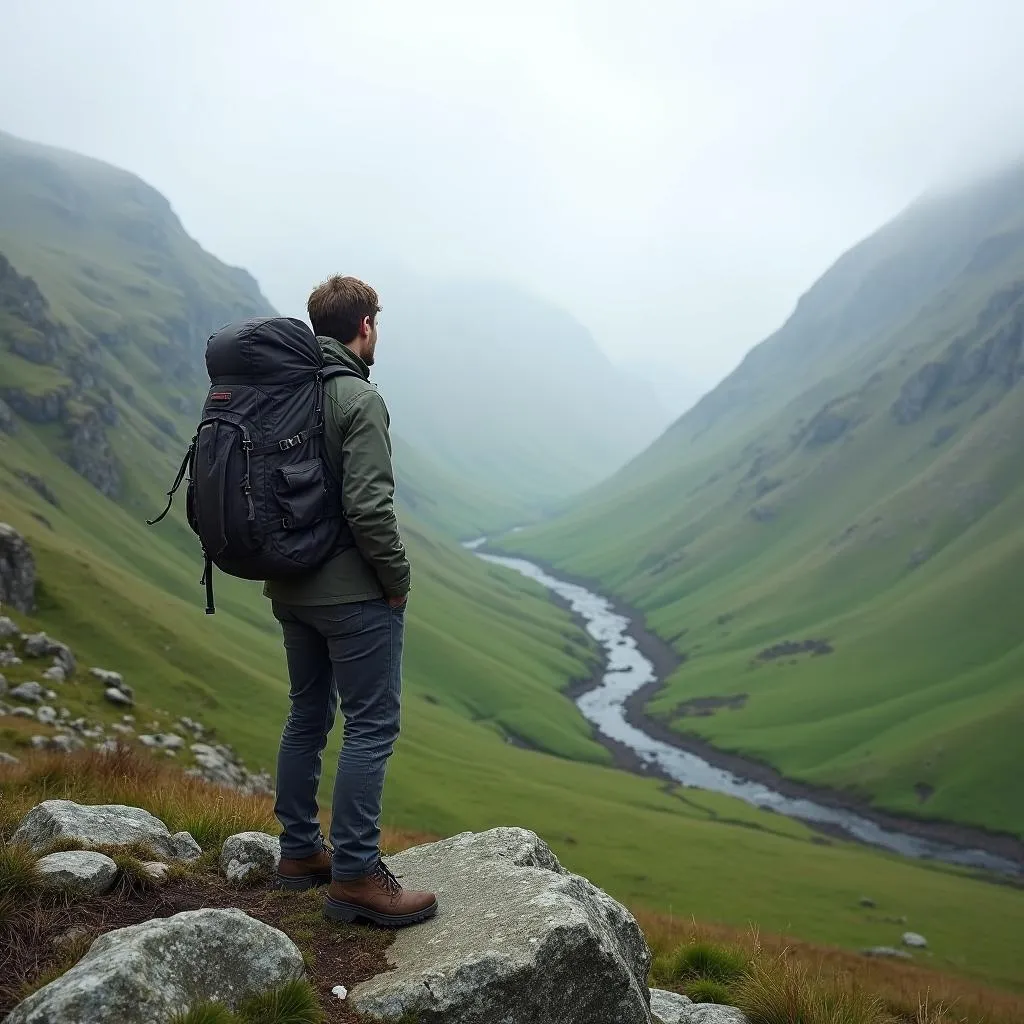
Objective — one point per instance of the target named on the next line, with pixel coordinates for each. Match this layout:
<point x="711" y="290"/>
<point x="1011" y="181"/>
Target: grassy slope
<point x="487" y="655"/>
<point x="900" y="544"/>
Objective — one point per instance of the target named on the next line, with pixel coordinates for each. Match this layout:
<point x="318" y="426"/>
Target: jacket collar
<point x="337" y="354"/>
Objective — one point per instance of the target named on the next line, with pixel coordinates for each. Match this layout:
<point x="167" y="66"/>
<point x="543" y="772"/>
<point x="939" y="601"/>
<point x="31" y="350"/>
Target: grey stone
<point x="867" y="901"/>
<point x="6" y="758"/>
<point x="17" y="571"/>
<point x="101" y="825"/>
<point x="50" y="694"/>
<point x="3" y="685"/>
<point x="116" y="696"/>
<point x="55" y="674"/>
<point x="66" y="743"/>
<point x="149" y="741"/>
<point x="517" y="938"/>
<point x="120" y="727"/>
<point x="106" y="677"/>
<point x="246" y="852"/>
<point x="157" y="870"/>
<point x="39" y="645"/>
<point x="107" y="747"/>
<point x="80" y="870"/>
<point x="23" y="713"/>
<point x="8" y="629"/>
<point x="155" y="970"/>
<point x="170" y="741"/>
<point x="8" y="659"/>
<point x="670" y="1007"/>
<point x="714" y="1013"/>
<point x="185" y="847"/>
<point x="914" y="940"/>
<point x="46" y="714"/>
<point x="39" y="742"/>
<point x="887" y="951"/>
<point x="31" y="693"/>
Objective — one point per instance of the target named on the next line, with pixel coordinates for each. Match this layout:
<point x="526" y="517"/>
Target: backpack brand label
<point x="220" y="396"/>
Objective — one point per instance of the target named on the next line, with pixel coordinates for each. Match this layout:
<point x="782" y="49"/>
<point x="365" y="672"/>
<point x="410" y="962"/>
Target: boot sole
<point x="299" y="883"/>
<point x="348" y="913"/>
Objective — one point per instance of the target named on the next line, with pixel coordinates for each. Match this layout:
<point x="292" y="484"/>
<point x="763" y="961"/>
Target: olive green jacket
<point x="356" y="426"/>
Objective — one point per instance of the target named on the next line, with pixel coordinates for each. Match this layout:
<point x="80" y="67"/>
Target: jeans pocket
<point x="341" y="620"/>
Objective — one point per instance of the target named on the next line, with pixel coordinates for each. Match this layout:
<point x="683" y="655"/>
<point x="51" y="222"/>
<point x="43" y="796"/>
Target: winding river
<point x="626" y="670"/>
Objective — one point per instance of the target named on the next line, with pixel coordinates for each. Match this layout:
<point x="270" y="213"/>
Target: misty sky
<point x="673" y="172"/>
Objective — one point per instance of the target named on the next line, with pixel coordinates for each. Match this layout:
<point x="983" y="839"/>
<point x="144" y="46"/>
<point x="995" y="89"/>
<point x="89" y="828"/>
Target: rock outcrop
<point x="17" y="570"/>
<point x="156" y="970"/>
<point x="670" y="1007"/>
<point x="517" y="938"/>
<point x="101" y="825"/>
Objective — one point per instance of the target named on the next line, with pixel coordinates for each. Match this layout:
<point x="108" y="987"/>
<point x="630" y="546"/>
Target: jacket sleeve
<point x="368" y="491"/>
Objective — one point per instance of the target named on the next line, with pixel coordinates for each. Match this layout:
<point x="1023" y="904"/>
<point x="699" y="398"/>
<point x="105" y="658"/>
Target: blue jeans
<point x="351" y="653"/>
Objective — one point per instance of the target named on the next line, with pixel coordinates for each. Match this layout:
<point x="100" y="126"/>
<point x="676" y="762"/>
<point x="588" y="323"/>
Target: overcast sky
<point x="673" y="172"/>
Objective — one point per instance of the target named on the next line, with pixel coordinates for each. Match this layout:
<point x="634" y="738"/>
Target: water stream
<point x="627" y="669"/>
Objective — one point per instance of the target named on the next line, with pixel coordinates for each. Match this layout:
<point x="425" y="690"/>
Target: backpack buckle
<point x="288" y="442"/>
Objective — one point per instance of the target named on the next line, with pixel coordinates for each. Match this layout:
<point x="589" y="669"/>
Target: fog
<point x="673" y="173"/>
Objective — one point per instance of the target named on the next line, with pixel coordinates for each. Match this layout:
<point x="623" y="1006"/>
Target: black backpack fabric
<point x="261" y="496"/>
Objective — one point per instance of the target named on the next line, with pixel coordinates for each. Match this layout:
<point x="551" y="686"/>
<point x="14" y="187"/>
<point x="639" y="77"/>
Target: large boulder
<point x="517" y="939"/>
<point x="101" y="825"/>
<point x="78" y="870"/>
<point x="713" y="1013"/>
<point x="247" y="852"/>
<point x="156" y="970"/>
<point x="17" y="570"/>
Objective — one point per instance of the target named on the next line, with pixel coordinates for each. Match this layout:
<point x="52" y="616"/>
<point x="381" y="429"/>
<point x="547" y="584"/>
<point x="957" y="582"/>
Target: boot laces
<point x="386" y="879"/>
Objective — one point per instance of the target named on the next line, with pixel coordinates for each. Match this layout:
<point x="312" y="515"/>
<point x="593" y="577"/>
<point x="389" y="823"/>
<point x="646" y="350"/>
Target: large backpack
<point x="261" y="496"/>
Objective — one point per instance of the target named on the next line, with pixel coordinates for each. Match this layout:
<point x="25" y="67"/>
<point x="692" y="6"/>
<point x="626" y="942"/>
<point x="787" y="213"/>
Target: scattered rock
<point x="101" y="825"/>
<point x="124" y="730"/>
<point x="185" y="847"/>
<point x="516" y="935"/>
<point x="867" y="901"/>
<point x="3" y="685"/>
<point x="116" y="696"/>
<point x="788" y="648"/>
<point x="219" y="764"/>
<point x="39" y="645"/>
<point x="713" y="1013"/>
<point x="914" y="941"/>
<point x="162" y="741"/>
<point x="55" y="674"/>
<point x="23" y="713"/>
<point x="46" y="714"/>
<point x="30" y="693"/>
<point x="887" y="951"/>
<point x="65" y="744"/>
<point x="107" y="678"/>
<point x="17" y="570"/>
<point x="8" y="629"/>
<point x="8" y="659"/>
<point x="156" y="869"/>
<point x="79" y="870"/>
<point x="8" y="758"/>
<point x="39" y="485"/>
<point x="670" y="1007"/>
<point x="918" y="391"/>
<point x="155" y="970"/>
<point x="247" y="852"/>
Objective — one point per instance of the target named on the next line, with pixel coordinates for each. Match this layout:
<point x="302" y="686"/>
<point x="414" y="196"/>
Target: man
<point x="343" y="628"/>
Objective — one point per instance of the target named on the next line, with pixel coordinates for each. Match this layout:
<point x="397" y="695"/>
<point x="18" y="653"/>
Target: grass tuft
<point x="207" y="1013"/>
<point x="293" y="1003"/>
<point x="704" y="990"/>
<point x="19" y="879"/>
<point x="779" y="990"/>
<point x="706" y="961"/>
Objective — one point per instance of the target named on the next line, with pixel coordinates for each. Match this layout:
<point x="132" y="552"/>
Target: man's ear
<point x="366" y="327"/>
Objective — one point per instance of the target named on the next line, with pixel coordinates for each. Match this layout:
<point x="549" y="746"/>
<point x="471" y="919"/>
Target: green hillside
<point x="487" y="653"/>
<point x="859" y="480"/>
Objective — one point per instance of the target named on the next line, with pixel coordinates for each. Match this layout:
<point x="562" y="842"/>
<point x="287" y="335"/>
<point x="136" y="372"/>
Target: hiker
<point x="344" y="625"/>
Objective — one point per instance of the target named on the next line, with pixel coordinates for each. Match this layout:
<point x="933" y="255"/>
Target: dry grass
<point x="209" y="812"/>
<point x="900" y="991"/>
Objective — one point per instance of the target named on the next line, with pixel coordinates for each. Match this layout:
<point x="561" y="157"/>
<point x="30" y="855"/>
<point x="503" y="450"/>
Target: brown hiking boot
<point x="306" y="872"/>
<point x="378" y="897"/>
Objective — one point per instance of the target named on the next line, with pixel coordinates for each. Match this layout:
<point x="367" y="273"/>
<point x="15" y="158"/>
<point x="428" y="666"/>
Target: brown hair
<point x="336" y="308"/>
